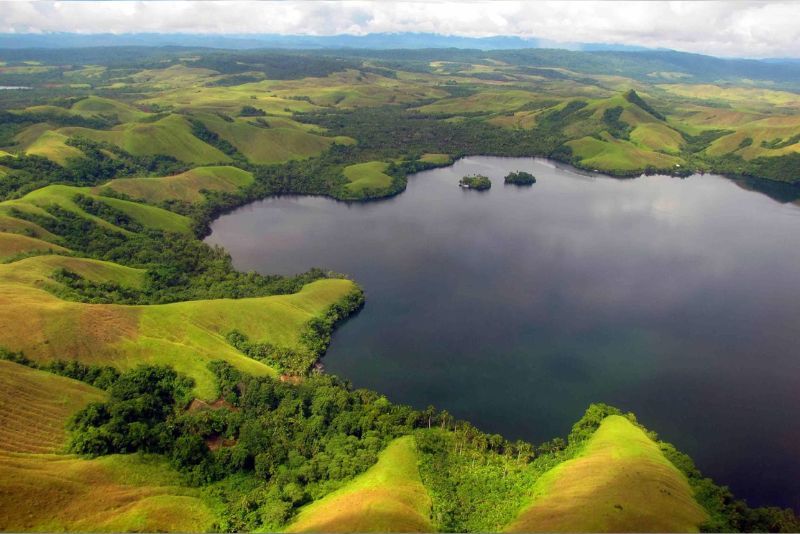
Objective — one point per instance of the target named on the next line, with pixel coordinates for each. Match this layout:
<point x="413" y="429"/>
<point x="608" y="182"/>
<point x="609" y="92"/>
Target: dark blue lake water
<point x="677" y="299"/>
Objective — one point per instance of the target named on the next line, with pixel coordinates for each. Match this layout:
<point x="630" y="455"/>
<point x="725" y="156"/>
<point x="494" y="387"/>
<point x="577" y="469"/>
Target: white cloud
<point x="749" y="29"/>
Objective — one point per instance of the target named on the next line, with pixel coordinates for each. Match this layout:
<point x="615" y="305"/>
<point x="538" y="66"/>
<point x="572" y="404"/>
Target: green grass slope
<point x="388" y="497"/>
<point x="63" y="196"/>
<point x="43" y="491"/>
<point x="621" y="482"/>
<point x="36" y="406"/>
<point x="96" y="106"/>
<point x="615" y="155"/>
<point x="14" y="244"/>
<point x="171" y="136"/>
<point x="186" y="335"/>
<point x="52" y="145"/>
<point x="36" y="271"/>
<point x="281" y="141"/>
<point x="187" y="186"/>
<point x="368" y="175"/>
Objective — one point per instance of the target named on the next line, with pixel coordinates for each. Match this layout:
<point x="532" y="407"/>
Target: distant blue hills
<point x="375" y="41"/>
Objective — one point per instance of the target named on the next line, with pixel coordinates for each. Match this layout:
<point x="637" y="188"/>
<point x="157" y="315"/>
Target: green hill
<point x="367" y="176"/>
<point x="186" y="335"/>
<point x="171" y="136"/>
<point x="281" y="140"/>
<point x="41" y="490"/>
<point x="388" y="497"/>
<point x="63" y="196"/>
<point x="620" y="482"/>
<point x="14" y="244"/>
<point x="187" y="186"/>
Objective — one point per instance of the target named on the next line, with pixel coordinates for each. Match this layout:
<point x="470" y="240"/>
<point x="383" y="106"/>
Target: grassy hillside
<point x="436" y="159"/>
<point x="610" y="154"/>
<point x="13" y="244"/>
<point x="64" y="197"/>
<point x="278" y="141"/>
<point x="36" y="407"/>
<point x="42" y="491"/>
<point x="171" y="136"/>
<point x="187" y="186"/>
<point x="186" y="335"/>
<point x="52" y="145"/>
<point x="389" y="497"/>
<point x="621" y="482"/>
<point x="94" y="106"/>
<point x="368" y="175"/>
<point x="37" y="270"/>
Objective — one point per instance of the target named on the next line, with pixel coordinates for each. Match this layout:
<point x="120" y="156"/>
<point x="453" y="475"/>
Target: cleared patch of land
<point x="388" y="497"/>
<point x="620" y="483"/>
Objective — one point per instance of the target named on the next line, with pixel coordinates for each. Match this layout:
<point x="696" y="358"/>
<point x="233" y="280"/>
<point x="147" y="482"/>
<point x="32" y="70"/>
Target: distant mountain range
<point x="249" y="41"/>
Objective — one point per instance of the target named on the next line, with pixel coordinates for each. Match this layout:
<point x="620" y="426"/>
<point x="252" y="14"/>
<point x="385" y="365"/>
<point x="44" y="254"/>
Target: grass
<point x="748" y="97"/>
<point x="351" y="89"/>
<point x="185" y="335"/>
<point x="657" y="137"/>
<point x="93" y="106"/>
<point x="52" y="145"/>
<point x="388" y="497"/>
<point x="522" y="120"/>
<point x="436" y="159"/>
<point x="187" y="186"/>
<point x="19" y="226"/>
<point x="14" y="244"/>
<point x="43" y="491"/>
<point x="63" y="195"/>
<point x="610" y="154"/>
<point x="229" y="100"/>
<point x="620" y="483"/>
<point x="487" y="100"/>
<point x="65" y="493"/>
<point x="282" y="141"/>
<point x="368" y="175"/>
<point x="759" y="131"/>
<point x="171" y="136"/>
<point x="36" y="271"/>
<point x="36" y="406"/>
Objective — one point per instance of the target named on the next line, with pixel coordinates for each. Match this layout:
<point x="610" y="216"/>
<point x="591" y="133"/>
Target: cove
<point x="676" y="299"/>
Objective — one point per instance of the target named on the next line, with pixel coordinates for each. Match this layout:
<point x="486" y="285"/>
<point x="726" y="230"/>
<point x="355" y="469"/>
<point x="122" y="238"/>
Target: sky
<point x="737" y="29"/>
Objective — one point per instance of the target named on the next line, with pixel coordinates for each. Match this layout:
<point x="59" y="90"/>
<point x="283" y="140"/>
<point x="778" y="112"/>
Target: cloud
<point x="744" y="29"/>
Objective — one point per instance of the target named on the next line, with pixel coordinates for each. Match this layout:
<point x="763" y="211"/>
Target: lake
<point x="676" y="299"/>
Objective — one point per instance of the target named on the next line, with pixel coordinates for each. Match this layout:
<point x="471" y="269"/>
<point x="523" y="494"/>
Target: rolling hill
<point x="389" y="497"/>
<point x="187" y="186"/>
<point x="621" y="482"/>
<point x="41" y="489"/>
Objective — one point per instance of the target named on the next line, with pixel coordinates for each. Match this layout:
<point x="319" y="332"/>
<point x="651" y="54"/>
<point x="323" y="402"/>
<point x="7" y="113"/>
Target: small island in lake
<point x="520" y="178"/>
<point x="478" y="182"/>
